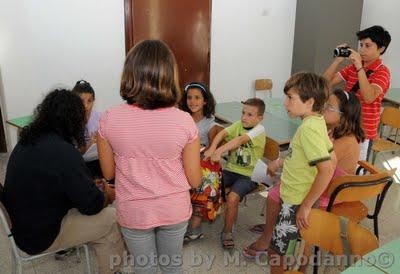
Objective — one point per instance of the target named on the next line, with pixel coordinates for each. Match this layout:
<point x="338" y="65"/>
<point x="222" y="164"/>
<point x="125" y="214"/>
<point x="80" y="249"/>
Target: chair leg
<point x="86" y="248"/>
<point x="262" y="213"/>
<point x="376" y="230"/>
<point x="78" y="255"/>
<point x="315" y="267"/>
<point x="374" y="153"/>
<point x="16" y="265"/>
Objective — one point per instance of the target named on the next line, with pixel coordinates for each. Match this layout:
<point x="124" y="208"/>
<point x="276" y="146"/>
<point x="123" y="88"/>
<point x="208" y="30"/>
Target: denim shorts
<point x="238" y="183"/>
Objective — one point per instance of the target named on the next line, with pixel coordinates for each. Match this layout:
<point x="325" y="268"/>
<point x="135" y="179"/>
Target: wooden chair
<point x="264" y="85"/>
<point x="350" y="190"/>
<point x="271" y="149"/>
<point x="271" y="152"/>
<point x="339" y="237"/>
<point x="390" y="120"/>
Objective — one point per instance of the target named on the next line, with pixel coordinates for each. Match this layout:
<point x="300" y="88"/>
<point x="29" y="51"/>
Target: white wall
<point x="386" y="14"/>
<point x="49" y="43"/>
<point x="250" y="40"/>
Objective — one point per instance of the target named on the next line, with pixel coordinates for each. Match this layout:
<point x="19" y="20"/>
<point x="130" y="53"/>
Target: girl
<point x="152" y="149"/>
<point x="342" y="115"/>
<point x="85" y="91"/>
<point x="200" y="103"/>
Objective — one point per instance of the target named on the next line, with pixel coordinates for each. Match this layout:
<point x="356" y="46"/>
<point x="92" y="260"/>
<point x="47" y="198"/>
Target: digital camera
<point x="341" y="52"/>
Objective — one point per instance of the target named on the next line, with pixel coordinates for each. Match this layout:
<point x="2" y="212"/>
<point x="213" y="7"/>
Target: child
<point x="342" y="116"/>
<point x="200" y="103"/>
<point x="308" y="167"/>
<point x="245" y="143"/>
<point x="85" y="91"/>
<point x="152" y="150"/>
<point x="367" y="77"/>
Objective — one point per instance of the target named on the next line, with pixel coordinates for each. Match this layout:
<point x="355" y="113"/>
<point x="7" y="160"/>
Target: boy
<point x="245" y="143"/>
<point x="308" y="167"/>
<point x="368" y="77"/>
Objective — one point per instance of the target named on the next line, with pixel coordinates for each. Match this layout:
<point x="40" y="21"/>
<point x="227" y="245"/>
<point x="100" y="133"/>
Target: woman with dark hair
<point x="152" y="149"/>
<point x="52" y="201"/>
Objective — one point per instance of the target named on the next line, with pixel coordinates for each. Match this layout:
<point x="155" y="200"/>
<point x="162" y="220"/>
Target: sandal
<point x="250" y="252"/>
<point x="258" y="229"/>
<point x="227" y="240"/>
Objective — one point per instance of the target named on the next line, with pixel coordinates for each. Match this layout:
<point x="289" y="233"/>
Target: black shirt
<point x="44" y="181"/>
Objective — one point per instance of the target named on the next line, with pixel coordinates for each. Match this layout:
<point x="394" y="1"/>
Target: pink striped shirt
<point x="151" y="186"/>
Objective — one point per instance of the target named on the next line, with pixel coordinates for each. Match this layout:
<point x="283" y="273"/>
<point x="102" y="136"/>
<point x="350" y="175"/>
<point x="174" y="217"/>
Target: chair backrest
<point x="263" y="85"/>
<point x="350" y="188"/>
<point x="390" y="117"/>
<point x="271" y="149"/>
<point x="324" y="231"/>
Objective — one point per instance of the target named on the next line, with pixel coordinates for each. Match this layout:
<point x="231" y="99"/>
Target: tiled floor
<point x="206" y="255"/>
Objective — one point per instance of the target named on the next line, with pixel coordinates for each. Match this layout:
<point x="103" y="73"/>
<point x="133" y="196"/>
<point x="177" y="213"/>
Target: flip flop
<point x="258" y="229"/>
<point x="227" y="240"/>
<point x="250" y="252"/>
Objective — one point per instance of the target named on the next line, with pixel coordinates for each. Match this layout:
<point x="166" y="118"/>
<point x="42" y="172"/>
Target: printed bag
<point x="206" y="199"/>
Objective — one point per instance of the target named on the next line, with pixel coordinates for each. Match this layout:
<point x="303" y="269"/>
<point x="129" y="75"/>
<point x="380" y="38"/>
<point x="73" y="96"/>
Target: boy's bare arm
<point x="232" y="144"/>
<point x="217" y="139"/>
<point x="324" y="176"/>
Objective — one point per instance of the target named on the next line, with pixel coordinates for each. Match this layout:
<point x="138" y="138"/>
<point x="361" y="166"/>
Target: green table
<point x="385" y="259"/>
<point x="277" y="124"/>
<point x="393" y="96"/>
<point x="21" y="121"/>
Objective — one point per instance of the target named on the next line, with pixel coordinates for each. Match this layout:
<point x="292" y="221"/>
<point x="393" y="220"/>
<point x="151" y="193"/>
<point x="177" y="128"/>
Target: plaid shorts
<point x="286" y="232"/>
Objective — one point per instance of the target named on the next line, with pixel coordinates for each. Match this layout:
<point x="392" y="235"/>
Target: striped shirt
<point x="370" y="112"/>
<point x="151" y="186"/>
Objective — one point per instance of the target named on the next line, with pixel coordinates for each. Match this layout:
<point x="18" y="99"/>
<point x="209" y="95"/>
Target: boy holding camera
<point x="367" y="76"/>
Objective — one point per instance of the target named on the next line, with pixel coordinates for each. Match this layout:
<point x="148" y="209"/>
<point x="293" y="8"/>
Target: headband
<point x="195" y="85"/>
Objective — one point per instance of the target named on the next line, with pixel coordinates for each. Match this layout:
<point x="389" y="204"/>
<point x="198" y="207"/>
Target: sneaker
<point x="190" y="236"/>
<point x="63" y="254"/>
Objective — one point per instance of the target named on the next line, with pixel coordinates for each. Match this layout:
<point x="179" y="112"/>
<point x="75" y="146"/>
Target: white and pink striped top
<point x="151" y="186"/>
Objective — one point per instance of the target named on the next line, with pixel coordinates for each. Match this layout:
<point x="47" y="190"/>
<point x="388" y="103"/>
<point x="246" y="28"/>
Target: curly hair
<point x="61" y="112"/>
<point x="209" y="107"/>
<point x="350" y="120"/>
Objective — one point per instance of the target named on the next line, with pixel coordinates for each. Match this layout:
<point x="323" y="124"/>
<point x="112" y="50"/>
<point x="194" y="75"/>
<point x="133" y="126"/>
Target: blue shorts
<point x="238" y="183"/>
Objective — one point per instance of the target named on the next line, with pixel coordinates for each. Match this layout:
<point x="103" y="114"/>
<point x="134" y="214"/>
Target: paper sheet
<point x="260" y="174"/>
<point x="91" y="154"/>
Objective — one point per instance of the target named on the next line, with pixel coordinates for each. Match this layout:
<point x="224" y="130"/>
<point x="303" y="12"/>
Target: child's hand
<point x="216" y="157"/>
<point x="207" y="154"/>
<point x="93" y="138"/>
<point x="302" y="217"/>
<point x="273" y="167"/>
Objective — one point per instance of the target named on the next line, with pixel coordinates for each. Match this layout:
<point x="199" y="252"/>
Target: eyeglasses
<point x="332" y="108"/>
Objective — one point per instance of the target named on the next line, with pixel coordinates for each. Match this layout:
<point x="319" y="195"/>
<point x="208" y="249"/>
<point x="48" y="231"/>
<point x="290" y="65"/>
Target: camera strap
<point x="357" y="84"/>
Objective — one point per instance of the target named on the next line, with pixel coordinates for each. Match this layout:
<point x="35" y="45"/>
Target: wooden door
<point x="183" y="25"/>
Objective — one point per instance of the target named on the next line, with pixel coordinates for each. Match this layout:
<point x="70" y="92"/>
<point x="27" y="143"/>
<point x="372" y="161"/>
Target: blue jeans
<point x="156" y="246"/>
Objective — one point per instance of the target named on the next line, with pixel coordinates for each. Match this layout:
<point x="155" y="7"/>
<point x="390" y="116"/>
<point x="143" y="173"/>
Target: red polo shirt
<point x="370" y="112"/>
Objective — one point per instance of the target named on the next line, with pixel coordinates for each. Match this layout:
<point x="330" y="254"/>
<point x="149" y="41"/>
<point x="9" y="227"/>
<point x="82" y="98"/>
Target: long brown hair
<point x="350" y="118"/>
<point x="150" y="76"/>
